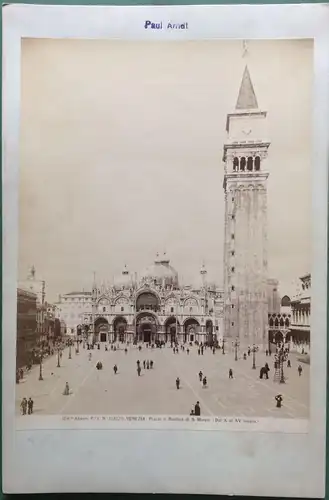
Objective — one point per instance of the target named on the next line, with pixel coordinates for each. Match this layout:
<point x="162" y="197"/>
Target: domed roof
<point x="161" y="272"/>
<point x="124" y="280"/>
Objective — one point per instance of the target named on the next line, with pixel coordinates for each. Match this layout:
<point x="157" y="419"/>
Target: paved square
<point x="154" y="392"/>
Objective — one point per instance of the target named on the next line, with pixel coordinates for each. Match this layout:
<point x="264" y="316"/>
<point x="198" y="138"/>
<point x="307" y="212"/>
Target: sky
<point x="121" y="156"/>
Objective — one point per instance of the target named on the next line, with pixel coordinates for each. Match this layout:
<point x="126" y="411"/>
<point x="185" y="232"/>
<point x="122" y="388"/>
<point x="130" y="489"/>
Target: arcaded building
<point x="149" y="308"/>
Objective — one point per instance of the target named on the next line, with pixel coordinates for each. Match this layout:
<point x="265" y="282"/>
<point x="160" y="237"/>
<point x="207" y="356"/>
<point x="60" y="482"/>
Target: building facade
<point x="301" y="311"/>
<point x="151" y="308"/>
<point x="27" y="335"/>
<point x="245" y="238"/>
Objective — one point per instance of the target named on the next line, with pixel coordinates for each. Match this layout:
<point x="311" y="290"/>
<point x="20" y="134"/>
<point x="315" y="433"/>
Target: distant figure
<point x="177" y="382"/>
<point x="138" y="363"/>
<point x="197" y="409"/>
<point x="144" y="364"/>
<point x="244" y="356"/>
<point x="111" y="347"/>
<point x="115" y="369"/>
<point x="126" y="350"/>
<point x="230" y="373"/>
<point x="200" y="375"/>
<point x="66" y="389"/>
<point x="140" y="348"/>
<point x="199" y="352"/>
<point x="139" y="370"/>
<point x="249" y="350"/>
<point x="21" y="373"/>
<point x="188" y="351"/>
<point x="192" y="413"/>
<point x="17" y="377"/>
<point x="24" y="406"/>
<point x="174" y="350"/>
<point x="204" y="381"/>
<point x="147" y="365"/>
<point x="266" y="352"/>
<point x="90" y="356"/>
<point x="98" y="346"/>
<point x="105" y="347"/>
<point x="151" y="364"/>
<point x="278" y="400"/>
<point x="300" y="369"/>
<point x="213" y="350"/>
<point x="177" y="351"/>
<point x="288" y="364"/>
<point x="30" y="406"/>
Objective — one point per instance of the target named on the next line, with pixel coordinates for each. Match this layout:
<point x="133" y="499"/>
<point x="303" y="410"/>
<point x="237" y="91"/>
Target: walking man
<point x="200" y="375"/>
<point x="300" y="369"/>
<point x="115" y="369"/>
<point x="204" y="382"/>
<point x="197" y="409"/>
<point x="144" y="364"/>
<point x="30" y="406"/>
<point x="24" y="406"/>
<point x="177" y="382"/>
<point x="230" y="373"/>
<point x="139" y="370"/>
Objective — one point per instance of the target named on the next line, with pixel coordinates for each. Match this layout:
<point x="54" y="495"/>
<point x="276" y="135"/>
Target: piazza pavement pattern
<point x="100" y="392"/>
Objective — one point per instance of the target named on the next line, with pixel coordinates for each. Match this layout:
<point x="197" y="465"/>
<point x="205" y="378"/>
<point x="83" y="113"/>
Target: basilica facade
<point x="150" y="308"/>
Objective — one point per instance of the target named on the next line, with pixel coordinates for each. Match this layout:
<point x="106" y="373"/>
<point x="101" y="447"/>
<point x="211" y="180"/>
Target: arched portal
<point x="146" y="327"/>
<point x="120" y="329"/>
<point x="191" y="329"/>
<point x="171" y="329"/>
<point x="101" y="329"/>
<point x="147" y="301"/>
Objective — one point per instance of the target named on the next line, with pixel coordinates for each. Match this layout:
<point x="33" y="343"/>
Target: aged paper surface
<point x="164" y="221"/>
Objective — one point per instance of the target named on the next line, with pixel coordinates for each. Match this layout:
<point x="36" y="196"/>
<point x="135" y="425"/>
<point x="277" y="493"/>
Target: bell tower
<point x="245" y="239"/>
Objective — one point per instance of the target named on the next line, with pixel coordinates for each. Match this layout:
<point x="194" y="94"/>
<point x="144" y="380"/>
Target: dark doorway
<point x="103" y="337"/>
<point x="147" y="331"/>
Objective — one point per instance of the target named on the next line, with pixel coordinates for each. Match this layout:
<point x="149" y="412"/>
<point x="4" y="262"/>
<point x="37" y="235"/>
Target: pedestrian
<point x="21" y="373"/>
<point x="266" y="352"/>
<point x="230" y="373"/>
<point x="192" y="413"/>
<point x="204" y="382"/>
<point x="188" y="351"/>
<point x="213" y="350"/>
<point x="288" y="364"/>
<point x="24" y="406"/>
<point x="90" y="356"/>
<point x="244" y="356"/>
<point x="144" y="364"/>
<point x="197" y="409"/>
<point x="199" y="352"/>
<point x="249" y="350"/>
<point x="147" y="365"/>
<point x="300" y="369"/>
<point x="126" y="350"/>
<point x="177" y="352"/>
<point x="139" y="348"/>
<point x="174" y="350"/>
<point x="139" y="370"/>
<point x="115" y="369"/>
<point x="17" y="376"/>
<point x="98" y="346"/>
<point x="278" y="400"/>
<point x="177" y="382"/>
<point x="200" y="375"/>
<point x="111" y="347"/>
<point x="66" y="389"/>
<point x="30" y="406"/>
<point x="138" y="362"/>
<point x="151" y="364"/>
<point x="105" y="347"/>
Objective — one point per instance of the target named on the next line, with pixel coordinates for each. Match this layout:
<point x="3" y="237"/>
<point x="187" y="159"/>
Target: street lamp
<point x="58" y="356"/>
<point x="236" y="345"/>
<point x="254" y="350"/>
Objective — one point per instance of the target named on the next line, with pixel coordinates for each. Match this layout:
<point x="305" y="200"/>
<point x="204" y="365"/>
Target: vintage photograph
<point x="165" y="228"/>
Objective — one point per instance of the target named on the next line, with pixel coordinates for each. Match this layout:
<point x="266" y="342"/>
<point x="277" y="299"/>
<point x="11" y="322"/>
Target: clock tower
<point x="245" y="239"/>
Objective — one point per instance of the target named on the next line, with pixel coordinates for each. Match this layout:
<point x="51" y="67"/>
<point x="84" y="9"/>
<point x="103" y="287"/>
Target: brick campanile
<point x="245" y="239"/>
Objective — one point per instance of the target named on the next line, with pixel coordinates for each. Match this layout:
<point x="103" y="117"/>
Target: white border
<point x="296" y="459"/>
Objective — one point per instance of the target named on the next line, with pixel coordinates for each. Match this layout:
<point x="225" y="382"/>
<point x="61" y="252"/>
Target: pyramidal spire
<point x="247" y="97"/>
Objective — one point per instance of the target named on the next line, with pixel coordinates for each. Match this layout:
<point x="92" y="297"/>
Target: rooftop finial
<point x="247" y="97"/>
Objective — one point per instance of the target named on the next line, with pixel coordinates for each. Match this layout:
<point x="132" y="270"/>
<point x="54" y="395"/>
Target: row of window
<point x="250" y="164"/>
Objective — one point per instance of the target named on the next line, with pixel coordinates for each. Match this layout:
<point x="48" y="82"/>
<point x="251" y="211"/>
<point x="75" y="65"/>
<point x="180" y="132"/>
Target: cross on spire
<point x="247" y="97"/>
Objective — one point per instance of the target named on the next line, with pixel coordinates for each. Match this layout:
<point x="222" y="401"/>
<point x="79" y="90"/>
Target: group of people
<point x="27" y="404"/>
<point x="148" y="365"/>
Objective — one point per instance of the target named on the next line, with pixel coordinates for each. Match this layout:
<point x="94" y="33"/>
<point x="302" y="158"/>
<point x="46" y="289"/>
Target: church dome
<point x="160" y="273"/>
<point x="124" y="280"/>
